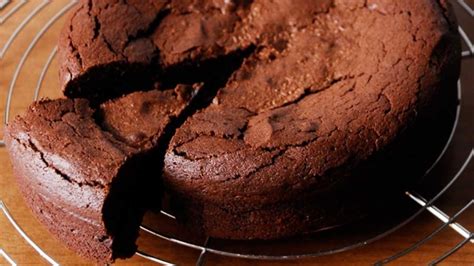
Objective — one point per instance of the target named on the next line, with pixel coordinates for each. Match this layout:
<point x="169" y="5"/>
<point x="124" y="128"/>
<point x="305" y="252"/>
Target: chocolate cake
<point x="286" y="117"/>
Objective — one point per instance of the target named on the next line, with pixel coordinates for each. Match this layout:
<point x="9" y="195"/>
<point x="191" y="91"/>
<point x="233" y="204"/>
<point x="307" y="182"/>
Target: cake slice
<point x="85" y="172"/>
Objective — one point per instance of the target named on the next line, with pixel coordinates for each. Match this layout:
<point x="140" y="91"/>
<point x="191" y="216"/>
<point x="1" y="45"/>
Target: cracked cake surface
<point x="261" y="119"/>
<point x="317" y="95"/>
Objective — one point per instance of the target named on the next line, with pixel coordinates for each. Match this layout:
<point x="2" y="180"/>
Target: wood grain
<point x="455" y="198"/>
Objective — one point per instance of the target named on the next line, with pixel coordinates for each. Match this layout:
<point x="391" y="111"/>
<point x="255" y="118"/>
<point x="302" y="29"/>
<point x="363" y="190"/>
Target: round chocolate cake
<point x="260" y="119"/>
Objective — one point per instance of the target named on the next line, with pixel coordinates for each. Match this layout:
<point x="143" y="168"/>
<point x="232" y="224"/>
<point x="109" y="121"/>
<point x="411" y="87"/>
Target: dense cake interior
<point x="140" y="120"/>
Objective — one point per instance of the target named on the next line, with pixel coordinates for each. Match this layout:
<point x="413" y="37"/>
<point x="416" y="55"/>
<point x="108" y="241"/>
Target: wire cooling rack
<point x="8" y="11"/>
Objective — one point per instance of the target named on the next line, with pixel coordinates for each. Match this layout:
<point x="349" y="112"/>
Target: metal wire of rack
<point x="426" y="205"/>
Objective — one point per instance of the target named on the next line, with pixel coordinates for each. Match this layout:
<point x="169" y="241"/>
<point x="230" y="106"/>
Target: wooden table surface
<point x="27" y="80"/>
